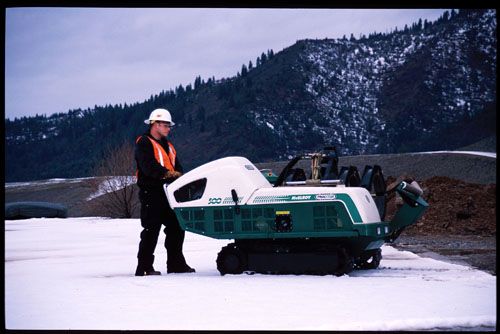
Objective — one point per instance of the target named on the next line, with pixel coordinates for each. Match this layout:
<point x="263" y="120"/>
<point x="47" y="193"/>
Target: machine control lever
<point x="235" y="199"/>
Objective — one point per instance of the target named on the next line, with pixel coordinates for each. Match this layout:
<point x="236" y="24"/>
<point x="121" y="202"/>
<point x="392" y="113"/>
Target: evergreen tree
<point x="419" y="25"/>
<point x="263" y="58"/>
<point x="426" y="24"/>
<point x="446" y="16"/>
<point x="244" y="70"/>
<point x="179" y="91"/>
<point x="197" y="82"/>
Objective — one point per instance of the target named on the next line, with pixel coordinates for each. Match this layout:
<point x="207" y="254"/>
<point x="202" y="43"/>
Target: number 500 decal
<point x="214" y="200"/>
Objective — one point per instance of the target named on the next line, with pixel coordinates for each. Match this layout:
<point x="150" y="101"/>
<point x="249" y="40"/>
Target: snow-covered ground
<point x="45" y="182"/>
<point x="484" y="154"/>
<point x="77" y="273"/>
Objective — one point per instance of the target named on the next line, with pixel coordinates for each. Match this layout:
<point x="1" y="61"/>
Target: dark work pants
<point x="155" y="212"/>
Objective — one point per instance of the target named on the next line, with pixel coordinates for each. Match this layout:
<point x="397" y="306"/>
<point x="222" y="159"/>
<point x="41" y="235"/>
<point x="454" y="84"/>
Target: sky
<point x="60" y="59"/>
<point x="78" y="274"/>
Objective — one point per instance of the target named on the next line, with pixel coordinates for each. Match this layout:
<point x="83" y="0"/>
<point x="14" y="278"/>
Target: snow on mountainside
<point x="347" y="81"/>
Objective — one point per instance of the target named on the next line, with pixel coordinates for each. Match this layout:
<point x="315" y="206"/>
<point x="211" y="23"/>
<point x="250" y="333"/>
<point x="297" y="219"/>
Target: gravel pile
<point x="455" y="208"/>
<point x="459" y="226"/>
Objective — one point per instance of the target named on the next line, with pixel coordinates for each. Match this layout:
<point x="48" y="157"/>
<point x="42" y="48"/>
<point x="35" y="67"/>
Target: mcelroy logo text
<point x="300" y="197"/>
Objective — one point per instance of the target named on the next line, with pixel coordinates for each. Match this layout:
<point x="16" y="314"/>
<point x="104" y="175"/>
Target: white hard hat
<point x="159" y="114"/>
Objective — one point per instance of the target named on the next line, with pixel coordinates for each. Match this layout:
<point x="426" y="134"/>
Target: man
<point x="157" y="164"/>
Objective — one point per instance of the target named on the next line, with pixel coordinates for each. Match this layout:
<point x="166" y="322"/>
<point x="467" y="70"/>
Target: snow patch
<point x="484" y="154"/>
<point x="45" y="182"/>
<point x="111" y="184"/>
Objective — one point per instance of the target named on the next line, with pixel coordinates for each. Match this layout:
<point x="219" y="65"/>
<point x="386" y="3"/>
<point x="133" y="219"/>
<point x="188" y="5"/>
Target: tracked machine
<point x="316" y="220"/>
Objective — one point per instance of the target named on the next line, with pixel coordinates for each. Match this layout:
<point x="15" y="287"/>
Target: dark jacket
<point x="149" y="171"/>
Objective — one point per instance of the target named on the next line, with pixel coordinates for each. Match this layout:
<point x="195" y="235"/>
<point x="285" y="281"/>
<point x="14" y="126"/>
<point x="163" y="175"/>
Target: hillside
<point x="463" y="167"/>
<point x="430" y="86"/>
<point x="477" y="171"/>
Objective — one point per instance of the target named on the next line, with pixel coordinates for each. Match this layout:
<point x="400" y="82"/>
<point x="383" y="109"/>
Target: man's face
<point x="163" y="128"/>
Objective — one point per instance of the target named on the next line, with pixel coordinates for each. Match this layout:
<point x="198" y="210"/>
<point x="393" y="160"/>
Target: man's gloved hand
<point x="173" y="174"/>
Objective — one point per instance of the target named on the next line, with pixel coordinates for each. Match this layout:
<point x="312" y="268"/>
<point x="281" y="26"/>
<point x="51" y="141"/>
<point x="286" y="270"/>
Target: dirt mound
<point x="455" y="207"/>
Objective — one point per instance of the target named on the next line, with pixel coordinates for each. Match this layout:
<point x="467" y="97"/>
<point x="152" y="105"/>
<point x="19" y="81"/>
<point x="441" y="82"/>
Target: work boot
<point x="184" y="269"/>
<point x="150" y="272"/>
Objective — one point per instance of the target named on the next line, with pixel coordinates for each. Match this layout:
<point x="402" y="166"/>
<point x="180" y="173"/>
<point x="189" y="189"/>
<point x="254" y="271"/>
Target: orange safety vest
<point x="164" y="159"/>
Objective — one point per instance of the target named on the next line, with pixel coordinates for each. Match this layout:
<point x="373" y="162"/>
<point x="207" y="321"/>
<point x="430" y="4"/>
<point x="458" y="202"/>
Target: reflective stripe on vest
<point x="164" y="159"/>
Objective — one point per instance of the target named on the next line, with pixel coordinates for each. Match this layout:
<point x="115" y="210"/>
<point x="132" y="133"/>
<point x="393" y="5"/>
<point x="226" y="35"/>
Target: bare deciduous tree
<point x="116" y="192"/>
